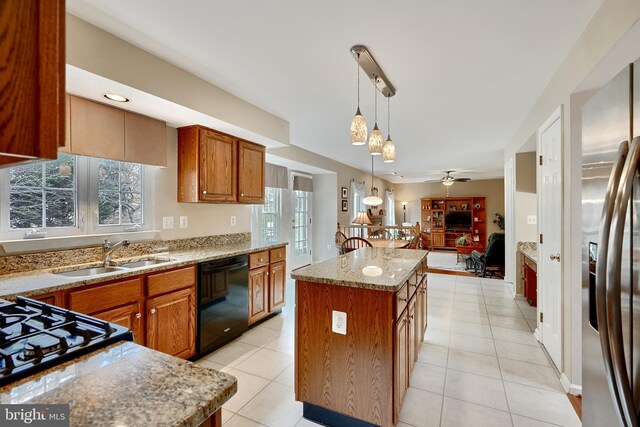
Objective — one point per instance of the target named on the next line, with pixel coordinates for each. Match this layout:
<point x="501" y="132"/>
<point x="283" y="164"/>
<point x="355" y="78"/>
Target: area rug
<point x="446" y="263"/>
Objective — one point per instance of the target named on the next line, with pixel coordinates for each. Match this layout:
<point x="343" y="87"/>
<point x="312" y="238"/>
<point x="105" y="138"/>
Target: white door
<point x="301" y="224"/>
<point x="509" y="211"/>
<point x="550" y="226"/>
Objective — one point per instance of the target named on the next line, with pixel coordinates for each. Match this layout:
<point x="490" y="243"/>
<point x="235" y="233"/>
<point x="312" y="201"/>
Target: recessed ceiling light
<point x="394" y="173"/>
<point x="115" y="97"/>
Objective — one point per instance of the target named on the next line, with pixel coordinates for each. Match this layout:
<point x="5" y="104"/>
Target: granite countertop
<point x="41" y="281"/>
<point x="529" y="249"/>
<point x="370" y="268"/>
<point x="127" y="385"/>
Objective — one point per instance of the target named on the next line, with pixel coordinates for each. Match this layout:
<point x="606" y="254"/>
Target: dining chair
<point x="414" y="243"/>
<point x="340" y="238"/>
<point x="353" y="243"/>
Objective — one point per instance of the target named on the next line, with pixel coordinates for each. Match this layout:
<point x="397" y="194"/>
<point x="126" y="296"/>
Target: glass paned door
<point x="301" y="247"/>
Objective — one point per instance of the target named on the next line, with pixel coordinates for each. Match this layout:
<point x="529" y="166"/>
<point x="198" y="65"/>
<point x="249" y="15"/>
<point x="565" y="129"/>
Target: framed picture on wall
<point x="345" y="193"/>
<point x="345" y="205"/>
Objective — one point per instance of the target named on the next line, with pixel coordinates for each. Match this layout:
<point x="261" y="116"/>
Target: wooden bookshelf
<point x="437" y="235"/>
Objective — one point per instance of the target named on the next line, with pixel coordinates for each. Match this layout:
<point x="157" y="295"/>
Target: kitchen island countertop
<point x="370" y="268"/>
<point x="129" y="385"/>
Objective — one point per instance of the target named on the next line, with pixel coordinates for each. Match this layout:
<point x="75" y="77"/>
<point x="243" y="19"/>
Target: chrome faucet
<point x="109" y="248"/>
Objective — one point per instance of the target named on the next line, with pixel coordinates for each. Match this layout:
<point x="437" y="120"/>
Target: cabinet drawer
<point x="162" y="283"/>
<point x="258" y="259"/>
<point x="105" y="297"/>
<point x="401" y="300"/>
<point x="412" y="285"/>
<point x="278" y="254"/>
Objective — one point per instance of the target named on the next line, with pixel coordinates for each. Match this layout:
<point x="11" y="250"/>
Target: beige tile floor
<point x="479" y="365"/>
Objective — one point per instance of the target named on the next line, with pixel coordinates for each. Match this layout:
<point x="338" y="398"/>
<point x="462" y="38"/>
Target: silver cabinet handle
<point x="152" y="311"/>
<point x="614" y="270"/>
<point x="138" y="315"/>
<point x="601" y="268"/>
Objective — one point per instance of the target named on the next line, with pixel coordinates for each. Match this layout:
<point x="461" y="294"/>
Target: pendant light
<point x="389" y="148"/>
<point x="358" y="124"/>
<point x="376" y="140"/>
<point x="373" y="199"/>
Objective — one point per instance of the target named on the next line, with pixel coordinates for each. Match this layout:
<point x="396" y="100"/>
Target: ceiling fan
<point x="449" y="179"/>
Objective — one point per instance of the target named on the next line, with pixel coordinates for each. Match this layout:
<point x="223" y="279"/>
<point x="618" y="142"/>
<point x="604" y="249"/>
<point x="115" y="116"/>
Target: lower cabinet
<point x="129" y="316"/>
<point x="277" y="283"/>
<point x="401" y="364"/>
<point x="159" y="308"/>
<point x="171" y="323"/>
<point x="258" y="293"/>
<point x="412" y="334"/>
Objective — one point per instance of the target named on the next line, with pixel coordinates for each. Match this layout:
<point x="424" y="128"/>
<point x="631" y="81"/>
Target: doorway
<point x="550" y="244"/>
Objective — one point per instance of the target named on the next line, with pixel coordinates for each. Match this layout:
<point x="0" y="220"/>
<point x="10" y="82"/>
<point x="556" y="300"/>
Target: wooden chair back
<point x="353" y="243"/>
<point x="414" y="243"/>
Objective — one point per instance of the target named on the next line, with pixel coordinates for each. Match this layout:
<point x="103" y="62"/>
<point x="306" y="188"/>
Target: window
<point x="75" y="196"/>
<point x="390" y="201"/>
<point x="270" y="214"/>
<point x="357" y="189"/>
<point x="43" y="195"/>
<point x="120" y="187"/>
<point x="302" y="223"/>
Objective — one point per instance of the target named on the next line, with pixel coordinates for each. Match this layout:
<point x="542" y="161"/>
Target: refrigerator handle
<point x="614" y="269"/>
<point x="601" y="270"/>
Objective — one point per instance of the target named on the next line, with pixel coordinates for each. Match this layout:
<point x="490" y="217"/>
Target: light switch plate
<point x="532" y="219"/>
<point x="183" y="222"/>
<point x="167" y="222"/>
<point x="339" y="322"/>
<point x="233" y="220"/>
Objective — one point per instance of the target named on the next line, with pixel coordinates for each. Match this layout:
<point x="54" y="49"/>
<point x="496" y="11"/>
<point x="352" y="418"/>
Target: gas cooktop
<point x="35" y="336"/>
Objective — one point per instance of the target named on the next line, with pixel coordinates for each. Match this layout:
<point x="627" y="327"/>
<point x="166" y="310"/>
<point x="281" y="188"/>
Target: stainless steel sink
<point x="144" y="263"/>
<point x="85" y="272"/>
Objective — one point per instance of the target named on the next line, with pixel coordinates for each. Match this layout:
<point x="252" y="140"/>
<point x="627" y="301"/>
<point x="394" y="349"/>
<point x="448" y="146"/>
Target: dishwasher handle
<point x="214" y="269"/>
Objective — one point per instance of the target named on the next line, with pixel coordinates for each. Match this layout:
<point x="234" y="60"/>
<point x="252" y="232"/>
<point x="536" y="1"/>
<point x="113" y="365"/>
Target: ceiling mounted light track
<point x="374" y="72"/>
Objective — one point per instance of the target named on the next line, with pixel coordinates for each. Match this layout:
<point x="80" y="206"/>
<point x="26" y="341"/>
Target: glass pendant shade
<point x="358" y="129"/>
<point x="389" y="151"/>
<point x="372" y="200"/>
<point x="376" y="141"/>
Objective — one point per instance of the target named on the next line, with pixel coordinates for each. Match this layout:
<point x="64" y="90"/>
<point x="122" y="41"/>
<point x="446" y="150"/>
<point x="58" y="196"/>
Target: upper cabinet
<point x="32" y="78"/>
<point x="100" y="130"/>
<point x="214" y="167"/>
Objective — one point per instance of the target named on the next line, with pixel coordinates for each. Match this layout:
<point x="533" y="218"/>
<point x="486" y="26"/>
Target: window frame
<point x="87" y="222"/>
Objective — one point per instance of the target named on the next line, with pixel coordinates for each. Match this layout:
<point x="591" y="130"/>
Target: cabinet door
<point x="218" y="167"/>
<point x="437" y="239"/>
<point x="97" y="130"/>
<point x="277" y="283"/>
<point x="32" y="59"/>
<point x="52" y="298"/>
<point x="412" y="333"/>
<point x="250" y="172"/>
<point x="401" y="368"/>
<point x="105" y="297"/>
<point x="171" y="323"/>
<point x="258" y="293"/>
<point x="129" y="316"/>
<point x="422" y="295"/>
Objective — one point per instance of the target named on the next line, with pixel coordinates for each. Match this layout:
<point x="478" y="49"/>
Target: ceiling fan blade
<point x="433" y="180"/>
<point x="462" y="179"/>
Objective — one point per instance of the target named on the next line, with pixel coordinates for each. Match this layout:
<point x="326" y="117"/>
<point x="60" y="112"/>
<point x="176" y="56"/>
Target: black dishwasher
<point x="223" y="302"/>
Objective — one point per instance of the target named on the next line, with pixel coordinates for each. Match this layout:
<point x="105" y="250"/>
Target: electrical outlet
<point x="330" y="247"/>
<point x="532" y="219"/>
<point x="167" y="222"/>
<point x="339" y="322"/>
<point x="183" y="222"/>
<point x="233" y="220"/>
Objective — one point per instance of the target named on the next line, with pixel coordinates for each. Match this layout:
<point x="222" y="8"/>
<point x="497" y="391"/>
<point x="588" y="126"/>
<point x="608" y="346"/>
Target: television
<point x="458" y="220"/>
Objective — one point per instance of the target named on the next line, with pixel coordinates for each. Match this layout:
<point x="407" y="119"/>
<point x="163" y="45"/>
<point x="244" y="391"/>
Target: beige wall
<point x="204" y="219"/>
<point x="526" y="198"/>
<point x="612" y="20"/>
<point x="492" y="189"/>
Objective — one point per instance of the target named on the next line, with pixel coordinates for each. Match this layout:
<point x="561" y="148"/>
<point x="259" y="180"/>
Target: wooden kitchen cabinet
<point x="251" y="169"/>
<point x="258" y="293"/>
<point x="412" y="334"/>
<point x="171" y="323"/>
<point x="129" y="316"/>
<point x="277" y="285"/>
<point x="437" y="239"/>
<point x="32" y="77"/>
<point x="214" y="167"/>
<point x="401" y="362"/>
<point x="52" y="298"/>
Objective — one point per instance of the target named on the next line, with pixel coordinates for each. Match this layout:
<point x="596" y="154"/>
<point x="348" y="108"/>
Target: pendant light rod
<point x="388" y="117"/>
<point x="366" y="61"/>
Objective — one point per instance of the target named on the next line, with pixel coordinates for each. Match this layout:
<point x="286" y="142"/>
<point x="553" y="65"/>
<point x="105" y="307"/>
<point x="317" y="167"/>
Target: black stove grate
<point x="35" y="336"/>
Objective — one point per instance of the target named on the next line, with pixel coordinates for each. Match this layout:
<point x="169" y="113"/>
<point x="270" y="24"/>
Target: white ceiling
<point x="467" y="72"/>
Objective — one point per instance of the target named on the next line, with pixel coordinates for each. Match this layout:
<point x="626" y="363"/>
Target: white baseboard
<point x="512" y="288"/>
<point x="574" y="389"/>
<point x="536" y="334"/>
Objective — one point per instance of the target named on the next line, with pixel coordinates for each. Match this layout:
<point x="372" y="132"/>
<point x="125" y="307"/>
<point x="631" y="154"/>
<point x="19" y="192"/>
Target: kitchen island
<point x="360" y="319"/>
<point x="125" y="384"/>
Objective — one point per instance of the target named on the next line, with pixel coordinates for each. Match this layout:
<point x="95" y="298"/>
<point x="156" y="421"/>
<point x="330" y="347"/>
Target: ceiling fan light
<point x="448" y="182"/>
<point x="358" y="129"/>
<point x="372" y="200"/>
<point x="389" y="151"/>
<point x="376" y="141"/>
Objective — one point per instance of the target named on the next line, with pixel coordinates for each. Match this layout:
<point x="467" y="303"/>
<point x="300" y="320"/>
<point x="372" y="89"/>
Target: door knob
<point x="555" y="257"/>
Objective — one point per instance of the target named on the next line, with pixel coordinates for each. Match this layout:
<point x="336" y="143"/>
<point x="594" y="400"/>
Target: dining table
<point x="388" y="243"/>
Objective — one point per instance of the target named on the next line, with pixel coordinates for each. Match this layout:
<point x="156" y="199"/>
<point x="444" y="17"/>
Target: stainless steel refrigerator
<point x="611" y="257"/>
